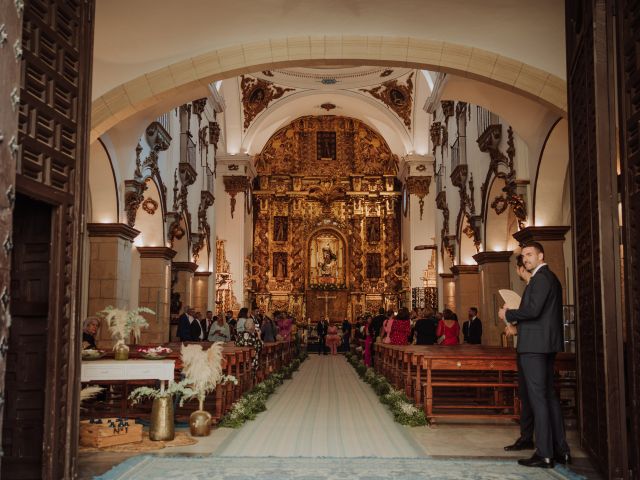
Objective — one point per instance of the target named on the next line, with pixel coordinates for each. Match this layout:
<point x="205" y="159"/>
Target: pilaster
<point x="467" y="288"/>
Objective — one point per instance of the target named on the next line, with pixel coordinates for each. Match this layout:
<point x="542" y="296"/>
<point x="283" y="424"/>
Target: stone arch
<point x="550" y="181"/>
<point x="188" y="78"/>
<point x="103" y="190"/>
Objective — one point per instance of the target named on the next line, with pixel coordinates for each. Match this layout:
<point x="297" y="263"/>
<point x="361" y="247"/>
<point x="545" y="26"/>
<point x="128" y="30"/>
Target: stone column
<point x="467" y="289"/>
<point x="184" y="272"/>
<point x="109" y="271"/>
<point x="552" y="239"/>
<point x="494" y="275"/>
<point x="448" y="291"/>
<point x="155" y="291"/>
<point x="200" y="294"/>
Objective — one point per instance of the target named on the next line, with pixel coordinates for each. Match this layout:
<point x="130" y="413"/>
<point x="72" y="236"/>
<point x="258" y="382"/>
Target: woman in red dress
<point x="448" y="328"/>
<point x="401" y="328"/>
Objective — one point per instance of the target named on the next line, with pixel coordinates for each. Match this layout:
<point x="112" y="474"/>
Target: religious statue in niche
<point x="397" y="97"/>
<point x="327" y="259"/>
<point x="373" y="265"/>
<point x="280" y="229"/>
<point x="257" y="96"/>
<point x="373" y="229"/>
<point x="326" y="145"/>
<point x="280" y="265"/>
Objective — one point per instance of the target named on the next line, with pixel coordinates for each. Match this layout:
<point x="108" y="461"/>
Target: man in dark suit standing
<point x="472" y="328"/>
<point x="322" y="328"/>
<point x="540" y="338"/>
<point x="206" y="323"/>
<point x="189" y="329"/>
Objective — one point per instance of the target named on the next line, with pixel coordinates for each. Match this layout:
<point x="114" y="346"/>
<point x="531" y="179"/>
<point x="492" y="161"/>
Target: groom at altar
<point x="322" y="329"/>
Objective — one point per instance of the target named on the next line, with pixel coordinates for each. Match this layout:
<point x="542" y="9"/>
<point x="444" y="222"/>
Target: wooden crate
<point x="102" y="435"/>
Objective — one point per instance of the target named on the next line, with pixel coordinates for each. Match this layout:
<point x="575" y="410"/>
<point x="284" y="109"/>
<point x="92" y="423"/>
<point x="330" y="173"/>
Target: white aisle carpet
<point x="324" y="411"/>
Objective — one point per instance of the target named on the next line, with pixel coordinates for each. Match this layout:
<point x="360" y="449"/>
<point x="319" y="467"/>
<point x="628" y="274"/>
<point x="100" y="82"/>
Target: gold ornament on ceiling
<point x="397" y="96"/>
<point x="257" y="94"/>
<point x="327" y="146"/>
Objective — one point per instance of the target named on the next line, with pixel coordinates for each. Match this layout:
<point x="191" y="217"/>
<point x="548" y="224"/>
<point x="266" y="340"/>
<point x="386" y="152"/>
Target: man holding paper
<point x="540" y="337"/>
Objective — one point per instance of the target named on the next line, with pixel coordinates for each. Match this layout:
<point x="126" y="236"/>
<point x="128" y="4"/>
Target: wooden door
<point x="26" y="368"/>
<point x="628" y="16"/>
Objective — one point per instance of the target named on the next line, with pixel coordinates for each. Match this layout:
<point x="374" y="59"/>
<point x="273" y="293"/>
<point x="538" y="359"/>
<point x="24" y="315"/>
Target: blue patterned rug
<point x="271" y="468"/>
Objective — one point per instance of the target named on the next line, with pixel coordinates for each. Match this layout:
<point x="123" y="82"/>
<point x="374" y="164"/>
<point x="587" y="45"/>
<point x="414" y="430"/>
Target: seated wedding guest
<point x="424" y="330"/>
<point x="448" y="332"/>
<point x="268" y="329"/>
<point x="249" y="338"/>
<point x="219" y="330"/>
<point x="243" y="315"/>
<point x="346" y="334"/>
<point x="189" y="329"/>
<point x="401" y="328"/>
<point x="370" y="333"/>
<point x="333" y="339"/>
<point x="89" y="331"/>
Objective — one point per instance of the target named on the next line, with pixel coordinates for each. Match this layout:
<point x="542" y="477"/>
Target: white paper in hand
<point x="511" y="299"/>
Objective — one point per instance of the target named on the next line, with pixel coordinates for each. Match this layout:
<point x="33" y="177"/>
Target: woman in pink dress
<point x="387" y="326"/>
<point x="369" y="339"/>
<point x="448" y="328"/>
<point x="333" y="340"/>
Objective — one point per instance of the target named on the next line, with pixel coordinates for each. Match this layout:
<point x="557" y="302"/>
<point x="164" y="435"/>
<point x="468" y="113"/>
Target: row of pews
<point x="237" y="361"/>
<point x="465" y="381"/>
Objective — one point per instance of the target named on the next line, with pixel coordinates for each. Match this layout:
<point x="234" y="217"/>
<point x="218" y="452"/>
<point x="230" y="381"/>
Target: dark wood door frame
<point x="50" y="165"/>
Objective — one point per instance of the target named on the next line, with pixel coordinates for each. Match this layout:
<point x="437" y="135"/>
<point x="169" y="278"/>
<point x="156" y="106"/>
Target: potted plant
<point x="203" y="371"/>
<point x="162" y="424"/>
<point x="123" y="323"/>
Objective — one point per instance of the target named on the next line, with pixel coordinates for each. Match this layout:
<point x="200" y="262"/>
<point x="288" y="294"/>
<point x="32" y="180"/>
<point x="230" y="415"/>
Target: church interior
<point x="171" y="165"/>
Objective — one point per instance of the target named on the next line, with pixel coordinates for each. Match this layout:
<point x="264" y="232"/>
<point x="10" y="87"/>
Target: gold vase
<point x="200" y="423"/>
<point x="121" y="352"/>
<point x="162" y="426"/>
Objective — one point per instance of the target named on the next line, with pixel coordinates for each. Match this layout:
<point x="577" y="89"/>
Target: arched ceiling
<point x="134" y="38"/>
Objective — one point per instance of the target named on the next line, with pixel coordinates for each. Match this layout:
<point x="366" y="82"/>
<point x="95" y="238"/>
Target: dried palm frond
<point x="90" y="392"/>
<point x="123" y="322"/>
<point x="202" y="368"/>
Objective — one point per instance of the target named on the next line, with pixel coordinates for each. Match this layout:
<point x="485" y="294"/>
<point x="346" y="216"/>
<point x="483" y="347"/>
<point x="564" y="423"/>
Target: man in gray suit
<point x="540" y="337"/>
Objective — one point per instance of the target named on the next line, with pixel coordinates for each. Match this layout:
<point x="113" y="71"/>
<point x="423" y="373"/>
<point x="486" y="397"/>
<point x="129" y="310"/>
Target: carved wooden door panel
<point x="10" y="33"/>
<point x="52" y="148"/>
<point x="629" y="72"/>
<point x="24" y="414"/>
<point x="591" y="97"/>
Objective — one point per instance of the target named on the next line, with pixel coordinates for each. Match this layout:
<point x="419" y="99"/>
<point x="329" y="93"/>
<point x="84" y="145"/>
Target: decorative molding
<point x="293" y="149"/>
<point x="436" y="131"/>
<point x="464" y="269"/>
<point x="198" y="107"/>
<point x="133" y="197"/>
<point x="328" y="106"/>
<point x="541" y="234"/>
<point x="419" y="185"/>
<point x="257" y="94"/>
<point x="149" y="205"/>
<point x="202" y="274"/>
<point x="329" y="190"/>
<point x="165" y="253"/>
<point x="493" y="257"/>
<point x="234" y="184"/>
<point x="174" y="229"/>
<point x="120" y="230"/>
<point x="214" y="134"/>
<point x="157" y="137"/>
<point x="431" y="104"/>
<point x="398" y="97"/>
<point x="184" y="266"/>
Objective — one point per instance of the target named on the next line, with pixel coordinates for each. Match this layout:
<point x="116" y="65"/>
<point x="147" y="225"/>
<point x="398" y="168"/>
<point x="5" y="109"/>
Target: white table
<point x="96" y="370"/>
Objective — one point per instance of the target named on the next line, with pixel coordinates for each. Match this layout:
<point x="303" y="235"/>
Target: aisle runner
<point x="238" y="468"/>
<point x="325" y="411"/>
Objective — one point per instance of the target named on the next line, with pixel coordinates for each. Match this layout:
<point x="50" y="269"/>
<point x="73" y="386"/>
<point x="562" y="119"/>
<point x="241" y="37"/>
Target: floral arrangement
<point x="122" y="323"/>
<point x="254" y="402"/>
<point x="180" y="388"/>
<point x="155" y="352"/>
<point x="202" y="369"/>
<point x="403" y="410"/>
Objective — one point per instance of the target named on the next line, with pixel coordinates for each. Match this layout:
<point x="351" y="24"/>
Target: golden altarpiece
<point x="326" y="221"/>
